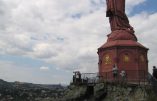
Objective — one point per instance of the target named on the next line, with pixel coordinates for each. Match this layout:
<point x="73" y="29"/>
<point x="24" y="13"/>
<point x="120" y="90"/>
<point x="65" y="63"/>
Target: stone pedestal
<point x="123" y="50"/>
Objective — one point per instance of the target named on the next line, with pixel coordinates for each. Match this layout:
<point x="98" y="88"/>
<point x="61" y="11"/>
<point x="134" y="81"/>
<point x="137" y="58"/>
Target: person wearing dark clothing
<point x="115" y="71"/>
<point x="155" y="72"/>
<point x="123" y="76"/>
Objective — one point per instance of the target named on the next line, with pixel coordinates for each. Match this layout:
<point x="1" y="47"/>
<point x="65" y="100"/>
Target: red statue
<point x="122" y="47"/>
<point x="117" y="17"/>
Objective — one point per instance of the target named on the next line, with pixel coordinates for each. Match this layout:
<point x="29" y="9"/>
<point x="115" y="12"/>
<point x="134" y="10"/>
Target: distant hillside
<point x="19" y="91"/>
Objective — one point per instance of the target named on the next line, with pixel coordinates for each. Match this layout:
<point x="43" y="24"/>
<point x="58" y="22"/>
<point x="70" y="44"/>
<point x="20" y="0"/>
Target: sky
<point x="44" y="41"/>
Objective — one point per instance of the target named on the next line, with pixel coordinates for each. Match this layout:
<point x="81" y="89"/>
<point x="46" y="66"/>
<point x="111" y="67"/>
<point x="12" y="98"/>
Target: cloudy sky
<point x="44" y="41"/>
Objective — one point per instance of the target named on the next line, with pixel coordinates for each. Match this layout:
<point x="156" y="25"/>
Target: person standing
<point x="123" y="75"/>
<point x="115" y="71"/>
<point x="155" y="72"/>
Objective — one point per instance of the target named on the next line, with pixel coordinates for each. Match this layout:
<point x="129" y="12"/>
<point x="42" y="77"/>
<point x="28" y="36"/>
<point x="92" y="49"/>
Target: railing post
<point x="106" y="76"/>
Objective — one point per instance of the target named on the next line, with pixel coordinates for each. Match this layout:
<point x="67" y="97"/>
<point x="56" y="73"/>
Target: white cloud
<point x="11" y="71"/>
<point x="43" y="68"/>
<point x="131" y="3"/>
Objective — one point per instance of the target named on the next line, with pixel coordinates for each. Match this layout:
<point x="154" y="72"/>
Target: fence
<point x="132" y="76"/>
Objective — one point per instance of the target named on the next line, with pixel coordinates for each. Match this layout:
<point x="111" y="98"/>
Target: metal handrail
<point x="132" y="76"/>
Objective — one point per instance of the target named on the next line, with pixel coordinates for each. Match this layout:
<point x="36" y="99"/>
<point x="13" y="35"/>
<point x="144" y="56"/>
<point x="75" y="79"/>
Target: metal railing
<point x="90" y="78"/>
<point x="132" y="76"/>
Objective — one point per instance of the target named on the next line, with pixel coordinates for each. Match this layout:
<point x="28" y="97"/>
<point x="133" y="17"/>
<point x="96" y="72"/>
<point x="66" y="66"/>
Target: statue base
<point x="121" y="35"/>
<point x="125" y="52"/>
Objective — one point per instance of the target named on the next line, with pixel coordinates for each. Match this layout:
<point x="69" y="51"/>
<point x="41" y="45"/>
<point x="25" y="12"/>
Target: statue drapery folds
<point x="117" y="17"/>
